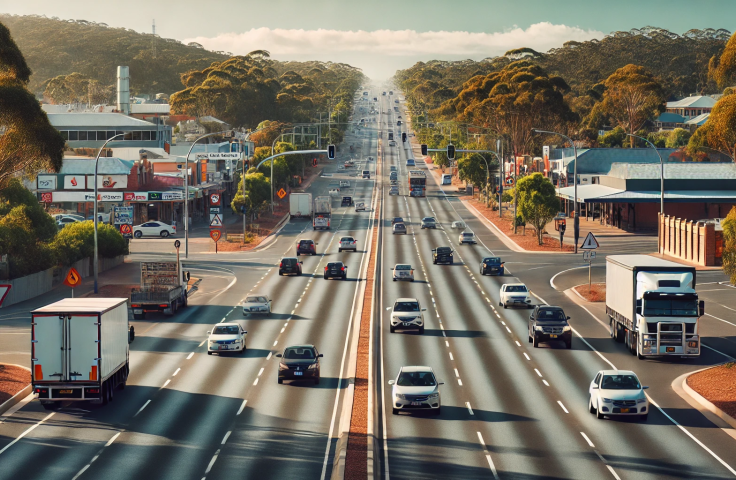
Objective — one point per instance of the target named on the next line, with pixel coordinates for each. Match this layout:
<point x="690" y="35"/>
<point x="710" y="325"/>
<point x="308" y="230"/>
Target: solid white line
<point x="166" y="383"/>
<point x="563" y="407"/>
<point x="275" y="343"/>
<point x="190" y="355"/>
<point x="141" y="409"/>
<point x="552" y="280"/>
<point x="29" y="430"/>
<point x="722" y="320"/>
<point x="610" y="469"/>
<point x="538" y="373"/>
<point x="587" y="439"/>
<point x="260" y="371"/>
<point x="84" y="469"/>
<point x="227" y="435"/>
<point x="469" y="409"/>
<point x="177" y="371"/>
<point x="242" y="406"/>
<point x="212" y="462"/>
<point x="526" y="356"/>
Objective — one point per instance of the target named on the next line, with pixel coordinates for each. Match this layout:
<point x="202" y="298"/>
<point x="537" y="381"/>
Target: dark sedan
<point x="306" y="247"/>
<point x="491" y="266"/>
<point x="336" y="270"/>
<point x="290" y="265"/>
<point x="300" y="362"/>
<point x="549" y="324"/>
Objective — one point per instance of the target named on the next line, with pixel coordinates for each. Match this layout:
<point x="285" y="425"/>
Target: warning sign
<point x="126" y="230"/>
<point x="215" y="199"/>
<point x="4" y="289"/>
<point x="73" y="278"/>
<point x="215" y="234"/>
<point x="590" y="243"/>
<point x="215" y="220"/>
<point x="281" y="193"/>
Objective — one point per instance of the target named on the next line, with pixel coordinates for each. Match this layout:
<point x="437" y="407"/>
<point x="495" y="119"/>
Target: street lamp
<point x="97" y="162"/>
<point x="576" y="220"/>
<point x="661" y="175"/>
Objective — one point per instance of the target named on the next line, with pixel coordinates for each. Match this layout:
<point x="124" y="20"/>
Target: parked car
<point x="403" y="271"/>
<point x="306" y="247"/>
<point x="618" y="392"/>
<point x="336" y="270"/>
<point x="360" y="207"/>
<point x="348" y="243"/>
<point x="226" y="337"/>
<point x="549" y="324"/>
<point x="59" y="216"/>
<point x="290" y="265"/>
<point x="429" y="222"/>
<point x="300" y="362"/>
<point x="344" y="183"/>
<point x="467" y="237"/>
<point x="398" y="229"/>
<point x="407" y="313"/>
<point x="257" y="303"/>
<point x="64" y="221"/>
<point x="366" y="174"/>
<point x="153" y="228"/>
<point x="515" y="294"/>
<point x="101" y="217"/>
<point x="416" y="388"/>
<point x="491" y="266"/>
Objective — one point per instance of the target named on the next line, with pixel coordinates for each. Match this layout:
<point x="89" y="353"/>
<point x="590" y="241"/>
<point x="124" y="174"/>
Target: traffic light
<point x="451" y="152"/>
<point x="424" y="149"/>
<point x="398" y="124"/>
<point x="403" y="137"/>
<point x="331" y="152"/>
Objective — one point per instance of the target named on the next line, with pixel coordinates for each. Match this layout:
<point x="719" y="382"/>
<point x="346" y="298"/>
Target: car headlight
<point x="400" y="395"/>
<point x="566" y="328"/>
<point x="606" y="400"/>
<point x="313" y="366"/>
<point x="484" y="265"/>
<point x="641" y="400"/>
<point x="211" y="342"/>
<point x="283" y="366"/>
<point x="434" y="396"/>
<point x="538" y="328"/>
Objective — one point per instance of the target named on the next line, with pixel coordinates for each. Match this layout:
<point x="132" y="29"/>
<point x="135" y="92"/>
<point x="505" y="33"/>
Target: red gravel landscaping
<point x="718" y="386"/>
<point x="12" y="380"/>
<point x="597" y="292"/>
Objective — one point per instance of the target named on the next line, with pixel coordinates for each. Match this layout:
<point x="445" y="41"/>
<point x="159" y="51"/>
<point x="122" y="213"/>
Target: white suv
<point x="348" y="243"/>
<point x="403" y="271"/>
<point x="416" y="388"/>
<point x="515" y="294"/>
<point x="407" y="313"/>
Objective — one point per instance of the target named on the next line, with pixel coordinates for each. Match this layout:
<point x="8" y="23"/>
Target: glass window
<point x="620" y="382"/>
<point x="403" y="267"/>
<point x="92" y="135"/>
<point x="145" y="135"/>
<point x="300" y="353"/>
<point x="226" y="330"/>
<point x="666" y="307"/>
<point x="406" y="307"/>
<point x="110" y="134"/>
<point x="256" y="300"/>
<point x="82" y="135"/>
<point x="128" y="136"/>
<point x="516" y="288"/>
<point x="154" y="135"/>
<point x="550" y="315"/>
<point x="137" y="135"/>
<point x="416" y="379"/>
<point x="102" y="135"/>
<point x="73" y="135"/>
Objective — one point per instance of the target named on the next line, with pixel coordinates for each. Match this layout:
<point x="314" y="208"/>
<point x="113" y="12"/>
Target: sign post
<point x="177" y="244"/>
<point x="590" y="244"/>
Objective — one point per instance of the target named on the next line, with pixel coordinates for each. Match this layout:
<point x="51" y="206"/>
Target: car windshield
<point x="400" y="226"/>
<point x="334" y="265"/>
<point x="346" y="239"/>
<point x="256" y="300"/>
<point x="550" y="315"/>
<point x="516" y="288"/>
<point x="288" y="261"/>
<point x="620" y="382"/>
<point x="398" y="219"/>
<point x="300" y="353"/>
<point x="492" y="260"/>
<point x="225" y="330"/>
<point x="467" y="234"/>
<point x="416" y="379"/>
<point x="428" y="219"/>
<point x="403" y="267"/>
<point x="406" y="307"/>
<point x="443" y="250"/>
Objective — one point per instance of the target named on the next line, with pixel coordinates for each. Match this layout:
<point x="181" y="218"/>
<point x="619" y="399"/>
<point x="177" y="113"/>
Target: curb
<point x="702" y="404"/>
<point x="12" y="401"/>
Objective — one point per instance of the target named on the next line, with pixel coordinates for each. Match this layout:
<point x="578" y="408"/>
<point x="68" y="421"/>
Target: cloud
<point x="297" y="42"/>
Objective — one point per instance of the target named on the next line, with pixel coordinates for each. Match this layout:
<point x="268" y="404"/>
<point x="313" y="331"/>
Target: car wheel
<point x="411" y="280"/>
<point x="299" y="273"/>
<point x="535" y="342"/>
<point x="339" y="250"/>
<point x="164" y="234"/>
<point x="505" y="306"/>
<point x="209" y="353"/>
<point x="530" y="338"/>
<point x="316" y="380"/>
<point x="392" y="329"/>
<point x="644" y="417"/>
<point x="438" y="412"/>
<point x="326" y="277"/>
<point x="421" y="330"/>
<point x="281" y="274"/>
<point x="297" y="253"/>
<point x="280" y="380"/>
<point x="591" y="409"/>
<point x="395" y="411"/>
<point x="394" y="279"/>
<point x="500" y="304"/>
<point x="138" y="234"/>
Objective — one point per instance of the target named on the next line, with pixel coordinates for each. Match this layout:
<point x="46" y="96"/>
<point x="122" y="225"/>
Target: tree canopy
<point x="722" y="66"/>
<point x="719" y="131"/>
<point x="538" y="202"/>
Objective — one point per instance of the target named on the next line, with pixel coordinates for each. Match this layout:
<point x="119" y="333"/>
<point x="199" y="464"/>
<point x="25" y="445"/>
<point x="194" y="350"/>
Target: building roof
<point x="602" y="194"/>
<point x="672" y="171"/>
<point x="107" y="166"/>
<point x="668" y="117"/>
<point x="91" y="119"/>
<point x="586" y="192"/>
<point x="699" y="120"/>
<point x="153" y="108"/>
<point x="600" y="160"/>
<point x="695" y="101"/>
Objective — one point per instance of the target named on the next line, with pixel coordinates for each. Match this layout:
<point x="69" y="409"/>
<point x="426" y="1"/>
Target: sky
<point x="381" y="36"/>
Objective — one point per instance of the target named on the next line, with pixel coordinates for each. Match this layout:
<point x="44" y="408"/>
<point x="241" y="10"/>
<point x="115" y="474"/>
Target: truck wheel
<point x="535" y="342"/>
<point x="51" y="405"/>
<point x="612" y="328"/>
<point x="105" y="395"/>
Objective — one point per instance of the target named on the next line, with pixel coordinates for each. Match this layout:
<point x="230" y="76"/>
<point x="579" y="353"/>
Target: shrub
<point x="76" y="241"/>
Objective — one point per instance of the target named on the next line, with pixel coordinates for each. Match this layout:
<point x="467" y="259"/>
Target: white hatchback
<point x="618" y="392"/>
<point x="515" y="294"/>
<point x="348" y="243"/>
<point x="416" y="388"/>
<point x="226" y="337"/>
<point x="257" y="303"/>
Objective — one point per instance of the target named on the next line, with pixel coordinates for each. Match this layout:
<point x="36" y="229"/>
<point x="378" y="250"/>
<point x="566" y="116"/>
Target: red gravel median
<point x="718" y="386"/>
<point x="13" y="379"/>
<point x="596" y="293"/>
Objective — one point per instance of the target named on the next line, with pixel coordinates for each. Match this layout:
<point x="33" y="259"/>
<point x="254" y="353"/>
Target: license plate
<point x="553" y="336"/>
<point x="670" y="350"/>
<point x="405" y="324"/>
<point x="624" y="410"/>
<point x="223" y="347"/>
<point x="67" y="392"/>
<point x="298" y="373"/>
<point x="416" y="403"/>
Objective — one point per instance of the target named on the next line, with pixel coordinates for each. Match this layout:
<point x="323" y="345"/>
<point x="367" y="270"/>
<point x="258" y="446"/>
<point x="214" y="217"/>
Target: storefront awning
<point x="588" y="193"/>
<point x="603" y="194"/>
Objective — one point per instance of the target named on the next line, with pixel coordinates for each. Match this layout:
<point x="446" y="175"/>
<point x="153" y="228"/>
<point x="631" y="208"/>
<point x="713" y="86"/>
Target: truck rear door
<point x="83" y="333"/>
<point x="48" y="352"/>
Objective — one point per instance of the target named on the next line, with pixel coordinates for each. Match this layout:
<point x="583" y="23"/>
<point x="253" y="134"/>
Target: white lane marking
<point x="260" y="371"/>
<point x="613" y="472"/>
<point x="166" y="383"/>
<point x="242" y="407"/>
<point x="275" y="343"/>
<point x="538" y="373"/>
<point x="79" y="474"/>
<point x="587" y="439"/>
<point x="526" y="356"/>
<point x="545" y="382"/>
<point x="459" y="382"/>
<point x="451" y="356"/>
<point x="212" y="462"/>
<point x="508" y="329"/>
<point x="447" y="344"/>
<point x="722" y="320"/>
<point x="227" y="435"/>
<point x="287" y="323"/>
<point x="488" y="456"/>
<point x="717" y="351"/>
<point x="503" y="323"/>
<point x="26" y="432"/>
<point x="141" y="409"/>
<point x="190" y="355"/>
<point x="202" y="343"/>
<point x="517" y="343"/>
<point x="282" y="329"/>
<point x="177" y="371"/>
<point x="552" y="280"/>
<point x="457" y="374"/>
<point x="109" y="442"/>
<point x="592" y="348"/>
<point x="256" y="382"/>
<point x="467" y="404"/>
<point x="561" y="405"/>
<point x="269" y="356"/>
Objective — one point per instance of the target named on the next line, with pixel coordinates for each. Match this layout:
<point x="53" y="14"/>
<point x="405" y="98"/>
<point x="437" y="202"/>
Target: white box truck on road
<point x="652" y="306"/>
<point x="300" y="205"/>
<point x="322" y="213"/>
<point x="79" y="350"/>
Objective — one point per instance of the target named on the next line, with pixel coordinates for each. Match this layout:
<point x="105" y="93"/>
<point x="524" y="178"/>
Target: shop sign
<point x="110" y="197"/>
<point x="154" y="196"/>
<point x="123" y="215"/>
<point x="173" y="196"/>
<point x="135" y="196"/>
<point x="46" y="182"/>
<point x="108" y="181"/>
<point x="74" y="182"/>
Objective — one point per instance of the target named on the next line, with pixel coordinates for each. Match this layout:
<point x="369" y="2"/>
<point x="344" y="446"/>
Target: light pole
<point x="97" y="162"/>
<point x="186" y="189"/>
<point x="576" y="220"/>
<point x="661" y="172"/>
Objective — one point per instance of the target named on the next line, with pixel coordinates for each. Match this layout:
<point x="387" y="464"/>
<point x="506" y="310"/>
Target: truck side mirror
<point x="701" y="307"/>
<point x="131" y="334"/>
<point x="638" y="310"/>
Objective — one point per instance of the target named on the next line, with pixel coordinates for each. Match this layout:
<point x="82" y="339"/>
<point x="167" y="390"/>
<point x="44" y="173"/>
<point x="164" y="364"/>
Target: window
<point x="226" y="330"/>
<point x="82" y="135"/>
<point x="256" y="300"/>
<point x="145" y="135"/>
<point x="137" y="135"/>
<point x="93" y="136"/>
<point x="64" y="134"/>
<point x="516" y="288"/>
<point x="667" y="307"/>
<point x="416" y="379"/>
<point x="128" y="136"/>
<point x="406" y="307"/>
<point x="73" y="135"/>
<point x="550" y="315"/>
<point x="620" y="382"/>
<point x="111" y="134"/>
<point x="102" y="135"/>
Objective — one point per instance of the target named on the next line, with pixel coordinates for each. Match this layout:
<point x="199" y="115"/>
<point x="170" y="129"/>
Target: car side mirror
<point x="391" y="382"/>
<point x="644" y="388"/>
<point x="638" y="310"/>
<point x="568" y="317"/>
<point x="245" y="332"/>
<point x="278" y="355"/>
<point x="531" y="317"/>
<point x="701" y="308"/>
<point x="320" y="355"/>
<point x="209" y="332"/>
<point x="440" y="383"/>
<point x="131" y="334"/>
<point x="317" y="243"/>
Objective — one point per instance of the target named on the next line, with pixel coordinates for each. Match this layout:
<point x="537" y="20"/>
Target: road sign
<point x="215" y="234"/>
<point x="215" y="199"/>
<point x="215" y="220"/>
<point x="177" y="244"/>
<point x="281" y="193"/>
<point x="73" y="278"/>
<point x="4" y="289"/>
<point x="126" y="230"/>
<point x="588" y="256"/>
<point x="122" y="215"/>
<point x="215" y="210"/>
<point x="590" y="243"/>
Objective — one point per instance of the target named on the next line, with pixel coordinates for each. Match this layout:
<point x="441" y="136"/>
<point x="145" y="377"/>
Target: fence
<point x="695" y="242"/>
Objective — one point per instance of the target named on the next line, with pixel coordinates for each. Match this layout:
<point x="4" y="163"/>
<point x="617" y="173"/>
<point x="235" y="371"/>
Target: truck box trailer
<point x="652" y="306"/>
<point x="300" y="205"/>
<point x="79" y="350"/>
<point x="322" y="213"/>
<point x="163" y="289"/>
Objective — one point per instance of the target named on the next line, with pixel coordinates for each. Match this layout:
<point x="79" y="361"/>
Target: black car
<point x="336" y="270"/>
<point x="307" y="247"/>
<point x="300" y="362"/>
<point x="347" y="201"/>
<point x="549" y="324"/>
<point x="491" y="266"/>
<point x="442" y="255"/>
<point x="290" y="265"/>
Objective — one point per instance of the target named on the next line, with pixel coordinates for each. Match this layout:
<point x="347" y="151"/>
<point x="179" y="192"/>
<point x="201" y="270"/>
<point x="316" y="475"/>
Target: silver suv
<point x="429" y="222"/>
<point x="407" y="313"/>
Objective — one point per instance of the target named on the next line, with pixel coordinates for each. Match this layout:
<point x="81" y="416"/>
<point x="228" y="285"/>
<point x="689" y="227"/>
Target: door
<point x="83" y="348"/>
<point x="48" y="360"/>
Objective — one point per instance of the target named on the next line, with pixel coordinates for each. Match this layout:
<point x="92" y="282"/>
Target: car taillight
<point x="173" y="227"/>
<point x="281" y="264"/>
<point x="325" y="268"/>
<point x="342" y="268"/>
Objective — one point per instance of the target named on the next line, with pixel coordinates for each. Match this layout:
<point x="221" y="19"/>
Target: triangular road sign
<point x="590" y="243"/>
<point x="4" y="290"/>
<point x="215" y="220"/>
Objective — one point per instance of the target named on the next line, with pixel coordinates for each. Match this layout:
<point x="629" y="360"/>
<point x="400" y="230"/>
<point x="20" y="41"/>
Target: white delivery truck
<point x="322" y="213"/>
<point x="300" y="205"/>
<point x="652" y="306"/>
<point x="79" y="350"/>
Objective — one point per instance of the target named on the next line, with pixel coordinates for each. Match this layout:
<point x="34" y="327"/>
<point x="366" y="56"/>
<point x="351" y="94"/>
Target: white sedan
<point x="348" y="243"/>
<point x="618" y="392"/>
<point x="226" y="337"/>
<point x="153" y="228"/>
<point x="515" y="294"/>
<point x="403" y="271"/>
<point x="467" y="237"/>
<point x="257" y="304"/>
<point x="416" y="388"/>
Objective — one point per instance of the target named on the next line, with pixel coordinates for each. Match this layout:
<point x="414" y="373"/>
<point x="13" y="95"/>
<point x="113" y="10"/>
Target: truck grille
<point x="553" y="330"/>
<point x="670" y="338"/>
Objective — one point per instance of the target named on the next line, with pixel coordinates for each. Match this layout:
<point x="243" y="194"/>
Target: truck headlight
<point x="538" y="328"/>
<point x="566" y="328"/>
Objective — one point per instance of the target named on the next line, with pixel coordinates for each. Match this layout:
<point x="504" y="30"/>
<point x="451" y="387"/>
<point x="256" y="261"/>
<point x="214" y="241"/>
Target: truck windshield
<point x="665" y="307"/>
